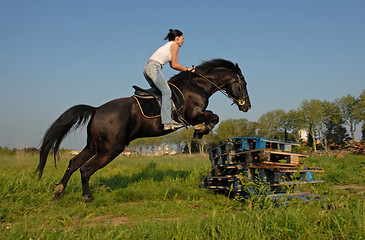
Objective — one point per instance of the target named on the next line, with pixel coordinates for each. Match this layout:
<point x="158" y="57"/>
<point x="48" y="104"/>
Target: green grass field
<point x="159" y="198"/>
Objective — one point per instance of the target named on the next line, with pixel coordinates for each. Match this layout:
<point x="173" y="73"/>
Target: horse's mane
<point x="205" y="67"/>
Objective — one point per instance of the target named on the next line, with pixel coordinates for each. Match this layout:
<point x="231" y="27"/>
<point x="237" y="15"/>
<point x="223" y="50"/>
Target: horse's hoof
<point x="200" y="127"/>
<point x="87" y="198"/>
<point x="58" y="189"/>
<point x="58" y="192"/>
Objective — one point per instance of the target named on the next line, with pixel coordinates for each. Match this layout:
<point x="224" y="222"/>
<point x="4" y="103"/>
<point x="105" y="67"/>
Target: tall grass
<point x="159" y="198"/>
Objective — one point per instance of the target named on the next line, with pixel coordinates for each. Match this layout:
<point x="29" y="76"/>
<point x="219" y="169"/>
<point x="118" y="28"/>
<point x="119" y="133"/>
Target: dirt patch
<point x="346" y="187"/>
<point x="107" y="220"/>
<point x="166" y="219"/>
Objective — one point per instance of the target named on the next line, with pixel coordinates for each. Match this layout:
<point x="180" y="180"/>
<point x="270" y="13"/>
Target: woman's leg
<point x="152" y="73"/>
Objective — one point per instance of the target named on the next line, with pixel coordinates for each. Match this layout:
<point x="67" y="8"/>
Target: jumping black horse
<point x="115" y="124"/>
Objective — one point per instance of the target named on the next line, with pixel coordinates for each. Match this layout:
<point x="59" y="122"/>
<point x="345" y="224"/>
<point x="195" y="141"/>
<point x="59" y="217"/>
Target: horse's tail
<point x="71" y="119"/>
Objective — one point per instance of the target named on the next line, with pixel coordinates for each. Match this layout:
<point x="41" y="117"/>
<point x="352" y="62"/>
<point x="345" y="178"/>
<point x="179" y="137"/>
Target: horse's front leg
<point x="207" y="122"/>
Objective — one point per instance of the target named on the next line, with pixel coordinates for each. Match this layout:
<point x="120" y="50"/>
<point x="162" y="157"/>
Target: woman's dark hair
<point x="172" y="34"/>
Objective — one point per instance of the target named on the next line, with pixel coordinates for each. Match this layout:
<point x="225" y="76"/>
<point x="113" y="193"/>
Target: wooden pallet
<point x="235" y="168"/>
<point x="253" y="156"/>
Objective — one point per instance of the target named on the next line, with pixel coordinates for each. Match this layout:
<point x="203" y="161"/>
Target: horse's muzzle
<point x="243" y="105"/>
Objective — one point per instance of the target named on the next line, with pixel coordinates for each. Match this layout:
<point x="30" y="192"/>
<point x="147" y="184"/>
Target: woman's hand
<point x="191" y="69"/>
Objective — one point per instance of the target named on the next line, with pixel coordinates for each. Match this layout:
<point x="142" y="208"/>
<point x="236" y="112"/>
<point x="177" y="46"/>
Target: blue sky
<point x="57" y="54"/>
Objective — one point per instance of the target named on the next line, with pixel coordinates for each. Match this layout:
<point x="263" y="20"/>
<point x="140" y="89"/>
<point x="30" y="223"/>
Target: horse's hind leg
<point x="73" y="165"/>
<point x="99" y="161"/>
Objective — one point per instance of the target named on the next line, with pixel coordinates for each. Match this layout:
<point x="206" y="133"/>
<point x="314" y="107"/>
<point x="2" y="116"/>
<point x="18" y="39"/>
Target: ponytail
<point x="173" y="34"/>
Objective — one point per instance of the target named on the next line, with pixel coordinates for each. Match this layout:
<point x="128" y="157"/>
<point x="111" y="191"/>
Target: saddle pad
<point x="150" y="107"/>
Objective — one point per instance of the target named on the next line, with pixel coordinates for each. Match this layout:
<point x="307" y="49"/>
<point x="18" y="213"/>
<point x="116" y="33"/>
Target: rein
<point x="234" y="100"/>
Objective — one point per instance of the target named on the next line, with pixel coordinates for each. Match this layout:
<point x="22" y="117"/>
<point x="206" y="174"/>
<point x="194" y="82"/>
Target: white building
<point x="303" y="135"/>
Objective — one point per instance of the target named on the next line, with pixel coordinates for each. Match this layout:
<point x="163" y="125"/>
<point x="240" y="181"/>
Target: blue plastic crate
<point x="306" y="176"/>
<point x="252" y="143"/>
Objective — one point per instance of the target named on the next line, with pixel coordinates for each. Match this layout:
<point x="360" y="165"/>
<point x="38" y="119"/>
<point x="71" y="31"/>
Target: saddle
<point x="149" y="101"/>
<point x="147" y="93"/>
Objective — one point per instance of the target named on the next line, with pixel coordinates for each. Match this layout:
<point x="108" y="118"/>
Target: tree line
<point x="330" y="123"/>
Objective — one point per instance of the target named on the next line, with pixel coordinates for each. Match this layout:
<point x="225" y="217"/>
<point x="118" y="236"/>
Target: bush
<point x="302" y="149"/>
<point x="6" y="151"/>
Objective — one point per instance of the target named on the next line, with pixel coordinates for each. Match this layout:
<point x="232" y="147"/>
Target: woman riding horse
<point x="115" y="124"/>
<point x="152" y="72"/>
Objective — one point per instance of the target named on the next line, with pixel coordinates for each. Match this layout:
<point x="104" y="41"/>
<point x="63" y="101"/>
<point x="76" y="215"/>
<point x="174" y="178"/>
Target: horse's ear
<point x="238" y="68"/>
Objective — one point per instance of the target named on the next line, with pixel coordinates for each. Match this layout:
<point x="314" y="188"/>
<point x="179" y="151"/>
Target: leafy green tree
<point x="187" y="136"/>
<point x="230" y="128"/>
<point x="329" y="114"/>
<point x="205" y="141"/>
<point x="175" y="139"/>
<point x="320" y="118"/>
<point x="310" y="112"/>
<point x="360" y="111"/>
<point x="348" y="106"/>
<point x="226" y="130"/>
<point x="333" y="131"/>
<point x="182" y="137"/>
<point x="292" y="125"/>
<point x="336" y="133"/>
<point x="211" y="139"/>
<point x="360" y="107"/>
<point x="272" y="124"/>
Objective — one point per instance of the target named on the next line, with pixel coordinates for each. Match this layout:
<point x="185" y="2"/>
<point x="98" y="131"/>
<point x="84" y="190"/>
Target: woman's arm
<point x="174" y="56"/>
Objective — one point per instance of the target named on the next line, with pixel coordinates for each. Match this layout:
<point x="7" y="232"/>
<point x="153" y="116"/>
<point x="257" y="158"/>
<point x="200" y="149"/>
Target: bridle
<point x="239" y="102"/>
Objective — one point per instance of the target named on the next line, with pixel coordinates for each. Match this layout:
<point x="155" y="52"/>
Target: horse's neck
<point x="202" y="85"/>
<point x="210" y="85"/>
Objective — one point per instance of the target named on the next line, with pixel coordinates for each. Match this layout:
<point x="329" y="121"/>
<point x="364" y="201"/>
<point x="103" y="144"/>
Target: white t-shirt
<point x="163" y="54"/>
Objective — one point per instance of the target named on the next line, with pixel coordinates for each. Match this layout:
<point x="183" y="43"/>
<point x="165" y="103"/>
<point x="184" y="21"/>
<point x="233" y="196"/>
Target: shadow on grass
<point x="118" y="181"/>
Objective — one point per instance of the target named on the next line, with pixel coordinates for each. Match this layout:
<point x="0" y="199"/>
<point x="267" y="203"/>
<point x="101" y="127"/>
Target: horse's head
<point x="219" y="75"/>
<point x="235" y="87"/>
